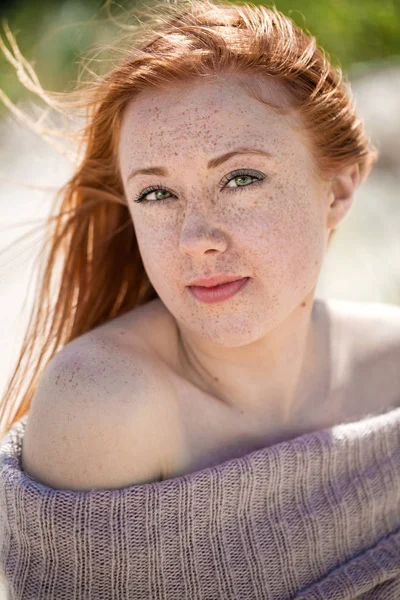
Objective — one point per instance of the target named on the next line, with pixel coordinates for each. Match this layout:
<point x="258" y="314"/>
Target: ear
<point x="340" y="195"/>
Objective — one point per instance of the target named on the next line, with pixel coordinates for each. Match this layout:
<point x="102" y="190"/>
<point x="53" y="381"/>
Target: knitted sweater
<point x="315" y="517"/>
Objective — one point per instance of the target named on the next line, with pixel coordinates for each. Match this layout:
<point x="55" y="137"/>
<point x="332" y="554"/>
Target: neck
<point x="274" y="377"/>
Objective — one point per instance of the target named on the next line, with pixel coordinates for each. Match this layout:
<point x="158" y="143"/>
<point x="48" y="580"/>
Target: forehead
<point x="205" y="118"/>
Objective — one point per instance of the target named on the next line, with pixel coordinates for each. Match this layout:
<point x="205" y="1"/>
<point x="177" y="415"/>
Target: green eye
<point x="240" y="177"/>
<point x="243" y="173"/>
<point x="154" y="188"/>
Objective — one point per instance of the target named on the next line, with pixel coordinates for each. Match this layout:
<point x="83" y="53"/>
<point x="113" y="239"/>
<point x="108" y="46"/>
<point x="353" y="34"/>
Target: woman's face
<point x="267" y="222"/>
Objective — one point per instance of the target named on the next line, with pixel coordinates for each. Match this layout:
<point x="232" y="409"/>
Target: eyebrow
<point x="213" y="163"/>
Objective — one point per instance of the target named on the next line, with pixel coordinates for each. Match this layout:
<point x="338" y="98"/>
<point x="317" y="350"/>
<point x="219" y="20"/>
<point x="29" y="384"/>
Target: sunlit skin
<point x="257" y="351"/>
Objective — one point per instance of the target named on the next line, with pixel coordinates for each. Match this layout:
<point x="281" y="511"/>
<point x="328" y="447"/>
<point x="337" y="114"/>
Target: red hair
<point x="90" y="235"/>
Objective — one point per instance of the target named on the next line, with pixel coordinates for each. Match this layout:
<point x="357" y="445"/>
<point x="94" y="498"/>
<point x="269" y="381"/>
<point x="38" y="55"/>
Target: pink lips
<point x="218" y="293"/>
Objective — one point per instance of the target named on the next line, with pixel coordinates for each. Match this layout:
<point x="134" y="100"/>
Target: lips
<point x="218" y="293"/>
<point x="214" y="280"/>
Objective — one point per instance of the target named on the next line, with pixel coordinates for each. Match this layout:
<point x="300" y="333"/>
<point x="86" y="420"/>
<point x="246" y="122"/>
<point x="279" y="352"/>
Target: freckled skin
<point x="256" y="348"/>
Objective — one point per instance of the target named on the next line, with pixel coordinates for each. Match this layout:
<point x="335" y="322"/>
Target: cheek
<point x="288" y="236"/>
<point x="157" y="245"/>
<point x="303" y="243"/>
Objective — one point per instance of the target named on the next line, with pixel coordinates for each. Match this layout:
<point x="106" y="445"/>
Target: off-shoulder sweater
<point x="315" y="517"/>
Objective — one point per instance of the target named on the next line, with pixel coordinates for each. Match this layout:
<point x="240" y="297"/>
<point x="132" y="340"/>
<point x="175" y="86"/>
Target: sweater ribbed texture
<point x="313" y="518"/>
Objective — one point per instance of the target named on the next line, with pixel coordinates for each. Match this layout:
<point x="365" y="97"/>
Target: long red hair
<point x="91" y="269"/>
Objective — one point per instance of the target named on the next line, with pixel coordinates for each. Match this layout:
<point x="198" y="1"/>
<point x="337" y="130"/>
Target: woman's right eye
<point x="153" y="188"/>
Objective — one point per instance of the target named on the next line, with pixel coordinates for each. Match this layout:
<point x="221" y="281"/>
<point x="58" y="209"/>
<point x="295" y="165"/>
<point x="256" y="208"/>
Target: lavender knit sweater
<point x="316" y="517"/>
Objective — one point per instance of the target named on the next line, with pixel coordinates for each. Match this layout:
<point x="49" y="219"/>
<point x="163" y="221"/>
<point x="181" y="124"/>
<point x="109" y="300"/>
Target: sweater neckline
<point x="331" y="440"/>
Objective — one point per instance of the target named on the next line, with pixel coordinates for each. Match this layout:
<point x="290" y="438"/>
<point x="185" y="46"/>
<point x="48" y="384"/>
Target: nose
<point x="199" y="236"/>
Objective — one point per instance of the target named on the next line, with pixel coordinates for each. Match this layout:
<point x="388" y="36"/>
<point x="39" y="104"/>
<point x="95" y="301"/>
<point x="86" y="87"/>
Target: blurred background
<point x="363" y="38"/>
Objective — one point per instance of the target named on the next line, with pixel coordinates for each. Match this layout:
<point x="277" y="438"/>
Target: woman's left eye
<point x="242" y="174"/>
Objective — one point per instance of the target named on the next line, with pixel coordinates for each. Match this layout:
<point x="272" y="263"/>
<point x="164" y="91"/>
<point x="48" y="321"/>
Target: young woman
<point x="201" y="412"/>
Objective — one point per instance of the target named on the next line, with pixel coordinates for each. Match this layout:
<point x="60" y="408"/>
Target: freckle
<point x="303" y="304"/>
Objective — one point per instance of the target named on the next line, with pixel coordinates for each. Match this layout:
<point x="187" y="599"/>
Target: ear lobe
<point x="341" y="193"/>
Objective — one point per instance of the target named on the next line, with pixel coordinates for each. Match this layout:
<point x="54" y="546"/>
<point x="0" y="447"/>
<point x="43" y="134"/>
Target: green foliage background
<point x="52" y="34"/>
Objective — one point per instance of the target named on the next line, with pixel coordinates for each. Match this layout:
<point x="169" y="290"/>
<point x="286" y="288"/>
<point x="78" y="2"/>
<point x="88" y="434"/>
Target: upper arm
<point x="97" y="420"/>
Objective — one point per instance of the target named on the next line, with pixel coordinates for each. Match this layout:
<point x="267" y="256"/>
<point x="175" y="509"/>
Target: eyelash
<point x="255" y="174"/>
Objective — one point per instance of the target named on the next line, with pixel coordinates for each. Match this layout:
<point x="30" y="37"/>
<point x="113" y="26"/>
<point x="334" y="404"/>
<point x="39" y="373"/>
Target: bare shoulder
<point x="371" y="325"/>
<point x="100" y="418"/>
<point x="367" y="335"/>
